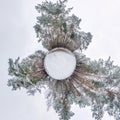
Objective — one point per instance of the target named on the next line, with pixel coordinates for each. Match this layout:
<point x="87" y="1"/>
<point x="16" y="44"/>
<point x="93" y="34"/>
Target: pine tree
<point x="93" y="83"/>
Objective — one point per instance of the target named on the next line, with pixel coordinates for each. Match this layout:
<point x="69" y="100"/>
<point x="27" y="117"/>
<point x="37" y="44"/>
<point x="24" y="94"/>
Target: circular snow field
<point x="60" y="63"/>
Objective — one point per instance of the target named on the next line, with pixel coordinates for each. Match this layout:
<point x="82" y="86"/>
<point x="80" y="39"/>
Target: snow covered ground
<point x="60" y="63"/>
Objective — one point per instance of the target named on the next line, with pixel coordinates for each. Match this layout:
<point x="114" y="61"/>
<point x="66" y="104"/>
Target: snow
<point x="60" y="63"/>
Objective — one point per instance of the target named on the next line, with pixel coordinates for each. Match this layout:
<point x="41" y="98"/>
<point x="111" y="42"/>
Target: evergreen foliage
<point x="93" y="83"/>
<point x="55" y="25"/>
<point x="27" y="74"/>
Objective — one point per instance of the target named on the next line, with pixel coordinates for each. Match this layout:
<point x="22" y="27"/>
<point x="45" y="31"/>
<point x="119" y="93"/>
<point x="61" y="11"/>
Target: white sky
<point x="17" y="38"/>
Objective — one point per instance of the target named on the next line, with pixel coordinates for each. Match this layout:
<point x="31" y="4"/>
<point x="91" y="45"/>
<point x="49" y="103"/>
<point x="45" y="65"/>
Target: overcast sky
<point x="17" y="38"/>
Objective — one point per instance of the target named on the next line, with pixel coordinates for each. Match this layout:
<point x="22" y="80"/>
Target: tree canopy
<point x="94" y="83"/>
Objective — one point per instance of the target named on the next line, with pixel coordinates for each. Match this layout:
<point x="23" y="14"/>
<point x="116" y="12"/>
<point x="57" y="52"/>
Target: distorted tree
<point x="64" y="71"/>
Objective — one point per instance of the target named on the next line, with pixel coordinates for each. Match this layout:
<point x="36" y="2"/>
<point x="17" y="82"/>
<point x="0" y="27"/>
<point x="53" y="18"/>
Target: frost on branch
<point x="28" y="73"/>
<point x="56" y="28"/>
<point x="93" y="83"/>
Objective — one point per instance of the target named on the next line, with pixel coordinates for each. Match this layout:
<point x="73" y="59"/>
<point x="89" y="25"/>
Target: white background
<point x="17" y="38"/>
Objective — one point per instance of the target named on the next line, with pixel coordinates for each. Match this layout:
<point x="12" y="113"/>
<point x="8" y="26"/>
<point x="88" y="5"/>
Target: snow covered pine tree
<point x="68" y="75"/>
